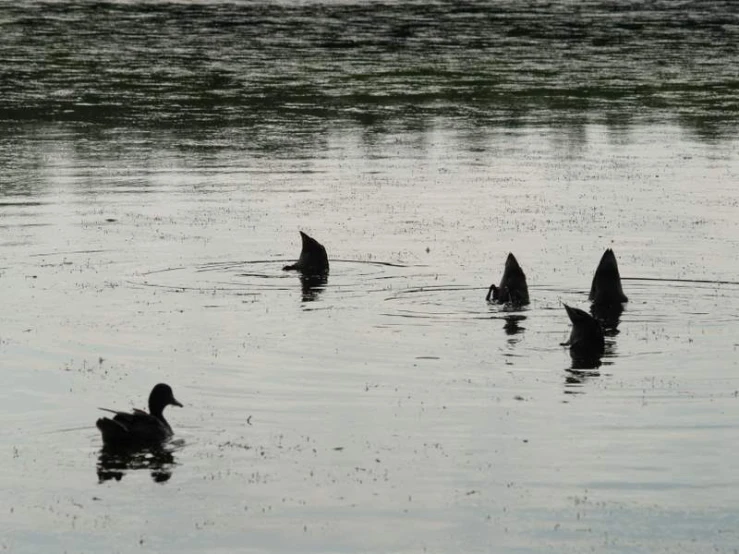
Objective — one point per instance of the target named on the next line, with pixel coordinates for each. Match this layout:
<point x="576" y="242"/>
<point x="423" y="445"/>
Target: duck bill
<point x="175" y="403"/>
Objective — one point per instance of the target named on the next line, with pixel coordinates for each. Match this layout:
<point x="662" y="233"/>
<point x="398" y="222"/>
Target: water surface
<point x="158" y="160"/>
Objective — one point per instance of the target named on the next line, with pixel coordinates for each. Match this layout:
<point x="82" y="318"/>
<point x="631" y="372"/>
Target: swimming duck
<point x="139" y="428"/>
<point x="606" y="288"/>
<point x="586" y="338"/>
<point x="313" y="258"/>
<point x="513" y="288"/>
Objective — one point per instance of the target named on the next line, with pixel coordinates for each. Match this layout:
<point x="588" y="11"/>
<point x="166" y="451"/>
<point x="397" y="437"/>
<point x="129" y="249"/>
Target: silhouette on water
<point x="606" y="287"/>
<point x="313" y="259"/>
<point x="139" y="429"/>
<point x="512" y="288"/>
<point x="606" y="294"/>
<point x="313" y="267"/>
<point x="586" y="341"/>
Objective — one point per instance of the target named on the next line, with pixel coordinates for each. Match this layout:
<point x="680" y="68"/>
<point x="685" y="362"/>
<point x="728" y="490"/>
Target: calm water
<point x="158" y="160"/>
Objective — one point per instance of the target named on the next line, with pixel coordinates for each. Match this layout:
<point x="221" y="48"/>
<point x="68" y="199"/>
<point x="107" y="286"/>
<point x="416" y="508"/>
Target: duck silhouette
<point x="138" y="428"/>
<point x="606" y="287"/>
<point x="586" y="339"/>
<point x="313" y="259"/>
<point x="513" y="288"/>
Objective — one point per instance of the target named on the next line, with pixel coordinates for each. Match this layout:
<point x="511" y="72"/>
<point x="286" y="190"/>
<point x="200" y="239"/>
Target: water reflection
<point x="114" y="463"/>
<point x="583" y="362"/>
<point x="609" y="316"/>
<point x="576" y="377"/>
<point x="512" y="326"/>
<point x="510" y="65"/>
<point x="585" y="367"/>
<point x="312" y="286"/>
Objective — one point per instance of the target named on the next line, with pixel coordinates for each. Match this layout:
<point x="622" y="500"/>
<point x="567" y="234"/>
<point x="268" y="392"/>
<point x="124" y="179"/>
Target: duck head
<point x="161" y="396"/>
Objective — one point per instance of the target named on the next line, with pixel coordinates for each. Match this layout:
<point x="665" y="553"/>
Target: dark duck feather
<point x="138" y="428"/>
<point x="606" y="288"/>
<point x="513" y="288"/>
<point x="586" y="338"/>
<point x="313" y="259"/>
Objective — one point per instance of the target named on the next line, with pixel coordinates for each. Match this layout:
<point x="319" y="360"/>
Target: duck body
<point x="606" y="287"/>
<point x="513" y="288"/>
<point x="586" y="339"/>
<point x="313" y="259"/>
<point x="139" y="428"/>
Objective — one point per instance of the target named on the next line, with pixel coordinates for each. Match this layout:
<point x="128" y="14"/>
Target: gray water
<point x="158" y="160"/>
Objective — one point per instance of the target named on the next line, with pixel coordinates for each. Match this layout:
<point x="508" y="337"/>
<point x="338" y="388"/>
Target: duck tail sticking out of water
<point x="513" y="288"/>
<point x="586" y="338"/>
<point x="138" y="428"/>
<point x="606" y="288"/>
<point x="313" y="259"/>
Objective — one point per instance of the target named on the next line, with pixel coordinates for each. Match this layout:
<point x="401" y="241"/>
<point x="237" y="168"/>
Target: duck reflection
<point x="312" y="286"/>
<point x="584" y="364"/>
<point x="578" y="375"/>
<point x="512" y="326"/>
<point x="584" y="368"/>
<point x="609" y="316"/>
<point x="114" y="463"/>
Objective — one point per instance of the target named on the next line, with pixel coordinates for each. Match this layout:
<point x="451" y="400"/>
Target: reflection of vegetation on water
<point x="114" y="463"/>
<point x="301" y="65"/>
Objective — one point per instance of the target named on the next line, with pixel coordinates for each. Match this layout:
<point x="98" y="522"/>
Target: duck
<point x="513" y="288"/>
<point x="313" y="259"/>
<point x="586" y="339"/>
<point x="138" y="428"/>
<point x="606" y="287"/>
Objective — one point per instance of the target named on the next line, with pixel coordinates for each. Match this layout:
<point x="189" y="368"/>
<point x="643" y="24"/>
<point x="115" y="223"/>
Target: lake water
<point x="158" y="160"/>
